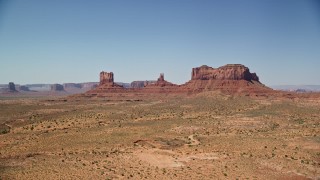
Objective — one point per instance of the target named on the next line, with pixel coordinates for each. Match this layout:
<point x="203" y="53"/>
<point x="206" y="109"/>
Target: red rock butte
<point x="231" y="79"/>
<point x="106" y="77"/>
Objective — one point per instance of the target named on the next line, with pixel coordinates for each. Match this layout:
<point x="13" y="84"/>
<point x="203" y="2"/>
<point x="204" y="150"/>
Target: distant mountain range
<point x="69" y="88"/>
<point x="297" y="88"/>
<point x="73" y="88"/>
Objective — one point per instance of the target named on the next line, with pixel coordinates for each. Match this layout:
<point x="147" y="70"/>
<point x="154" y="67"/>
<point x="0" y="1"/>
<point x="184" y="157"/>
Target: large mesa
<point x="230" y="79"/>
<point x="227" y="72"/>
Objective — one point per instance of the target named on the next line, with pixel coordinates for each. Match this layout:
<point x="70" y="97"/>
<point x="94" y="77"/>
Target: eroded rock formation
<point x="161" y="86"/>
<point x="106" y="78"/>
<point x="12" y="87"/>
<point x="227" y="72"/>
<point x="106" y="85"/>
<point x="161" y="82"/>
<point x="57" y="87"/>
<point x="231" y="78"/>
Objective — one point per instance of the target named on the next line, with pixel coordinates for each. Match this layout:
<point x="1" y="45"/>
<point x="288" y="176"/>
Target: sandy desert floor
<point x="198" y="137"/>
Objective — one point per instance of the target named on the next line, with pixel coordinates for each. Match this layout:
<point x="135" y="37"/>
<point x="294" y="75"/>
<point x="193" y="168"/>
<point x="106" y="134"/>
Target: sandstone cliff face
<point x="231" y="78"/>
<point x="106" y="78"/>
<point x="227" y="72"/>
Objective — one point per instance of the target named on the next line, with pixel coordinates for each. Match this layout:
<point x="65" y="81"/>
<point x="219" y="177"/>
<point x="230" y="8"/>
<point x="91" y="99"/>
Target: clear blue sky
<point x="58" y="41"/>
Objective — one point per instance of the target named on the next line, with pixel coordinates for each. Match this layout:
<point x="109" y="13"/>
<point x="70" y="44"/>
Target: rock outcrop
<point x="161" y="86"/>
<point x="57" y="87"/>
<point x="141" y="84"/>
<point x="106" y="78"/>
<point x="227" y="72"/>
<point x="106" y="85"/>
<point x="231" y="79"/>
<point x="161" y="82"/>
<point x="12" y="87"/>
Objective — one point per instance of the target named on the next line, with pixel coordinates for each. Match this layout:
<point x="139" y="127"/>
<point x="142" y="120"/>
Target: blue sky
<point x="45" y="41"/>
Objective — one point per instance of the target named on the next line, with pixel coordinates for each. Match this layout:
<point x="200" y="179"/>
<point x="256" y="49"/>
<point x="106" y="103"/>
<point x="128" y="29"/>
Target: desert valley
<point x="222" y="124"/>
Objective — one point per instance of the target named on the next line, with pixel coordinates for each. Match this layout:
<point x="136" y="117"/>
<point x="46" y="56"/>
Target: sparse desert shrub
<point x="5" y="131"/>
<point x="299" y="121"/>
<point x="274" y="126"/>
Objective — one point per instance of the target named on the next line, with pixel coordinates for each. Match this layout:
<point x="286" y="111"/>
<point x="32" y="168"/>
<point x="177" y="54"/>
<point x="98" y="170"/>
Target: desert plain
<point x="201" y="136"/>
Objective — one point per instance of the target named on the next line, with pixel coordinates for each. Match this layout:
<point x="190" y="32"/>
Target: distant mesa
<point x="8" y="88"/>
<point x="57" y="87"/>
<point x="231" y="78"/>
<point x="12" y="86"/>
<point x="141" y="84"/>
<point x="72" y="85"/>
<point x="125" y="85"/>
<point x="89" y="85"/>
<point x="23" y="88"/>
<point x="47" y="89"/>
<point x="298" y="88"/>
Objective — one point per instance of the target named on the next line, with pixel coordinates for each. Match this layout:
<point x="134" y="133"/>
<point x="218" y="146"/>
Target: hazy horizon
<point x="72" y="41"/>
